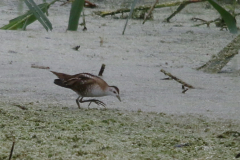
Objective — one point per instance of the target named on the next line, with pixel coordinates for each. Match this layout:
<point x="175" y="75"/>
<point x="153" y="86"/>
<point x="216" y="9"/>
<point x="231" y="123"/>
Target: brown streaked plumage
<point x="86" y="85"/>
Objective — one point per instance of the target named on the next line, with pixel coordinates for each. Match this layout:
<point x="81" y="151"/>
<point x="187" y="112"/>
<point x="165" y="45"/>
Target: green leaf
<point x="38" y="13"/>
<point x="24" y="20"/>
<point x="76" y="9"/>
<point x="226" y="16"/>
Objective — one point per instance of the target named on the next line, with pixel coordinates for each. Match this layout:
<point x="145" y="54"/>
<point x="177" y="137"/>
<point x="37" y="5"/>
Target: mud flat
<point x="63" y="133"/>
<point x="153" y="121"/>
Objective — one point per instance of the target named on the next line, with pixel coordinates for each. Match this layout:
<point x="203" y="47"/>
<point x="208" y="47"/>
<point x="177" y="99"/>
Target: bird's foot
<point x="97" y="102"/>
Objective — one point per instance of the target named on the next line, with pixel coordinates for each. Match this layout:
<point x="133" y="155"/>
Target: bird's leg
<point x="77" y="100"/>
<point x="93" y="100"/>
<point x="89" y="104"/>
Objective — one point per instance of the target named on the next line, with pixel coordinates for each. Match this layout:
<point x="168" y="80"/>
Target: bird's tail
<point x="62" y="76"/>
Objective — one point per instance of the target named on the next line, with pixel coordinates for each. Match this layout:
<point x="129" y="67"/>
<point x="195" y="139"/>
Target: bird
<point x="86" y="85"/>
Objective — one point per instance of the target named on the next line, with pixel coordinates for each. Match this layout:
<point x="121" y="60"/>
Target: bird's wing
<point x="95" y="79"/>
<point x="80" y="79"/>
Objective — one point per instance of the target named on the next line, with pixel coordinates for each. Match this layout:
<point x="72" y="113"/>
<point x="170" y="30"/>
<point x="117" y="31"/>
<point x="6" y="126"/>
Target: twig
<point x="84" y="22"/>
<point x="39" y="67"/>
<point x="183" y="87"/>
<point x="144" y="7"/>
<point x="219" y="22"/>
<point x="150" y="11"/>
<point x="22" y="107"/>
<point x="181" y="7"/>
<point x="198" y="19"/>
<point x="168" y="78"/>
<point x="101" y="70"/>
<point x="185" y="90"/>
<point x="89" y="5"/>
<point x="11" y="152"/>
<point x="177" y="79"/>
<point x="204" y="21"/>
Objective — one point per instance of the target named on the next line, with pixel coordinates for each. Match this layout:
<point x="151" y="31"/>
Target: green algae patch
<point x="62" y="133"/>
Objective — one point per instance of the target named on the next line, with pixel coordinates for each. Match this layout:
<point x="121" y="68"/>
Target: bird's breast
<point x="94" y="91"/>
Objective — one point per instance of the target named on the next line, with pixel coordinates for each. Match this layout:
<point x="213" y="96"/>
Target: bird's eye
<point x="114" y="92"/>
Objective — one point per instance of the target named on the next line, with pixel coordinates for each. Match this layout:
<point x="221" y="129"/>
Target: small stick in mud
<point x="89" y="4"/>
<point x="177" y="79"/>
<point x="21" y="107"/>
<point x="168" y="78"/>
<point x="11" y="152"/>
<point x="84" y="22"/>
<point x="101" y="70"/>
<point x="101" y="41"/>
<point x="205" y="22"/>
<point x="185" y="90"/>
<point x="183" y="87"/>
<point x="142" y="7"/>
<point x="39" y="67"/>
<point x="150" y="11"/>
<point x="76" y="48"/>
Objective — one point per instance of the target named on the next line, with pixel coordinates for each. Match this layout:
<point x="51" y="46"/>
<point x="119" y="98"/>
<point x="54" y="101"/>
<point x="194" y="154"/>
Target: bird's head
<point x="114" y="91"/>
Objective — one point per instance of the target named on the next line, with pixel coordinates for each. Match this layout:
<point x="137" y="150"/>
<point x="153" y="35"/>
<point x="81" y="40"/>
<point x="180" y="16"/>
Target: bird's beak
<point x="118" y="98"/>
